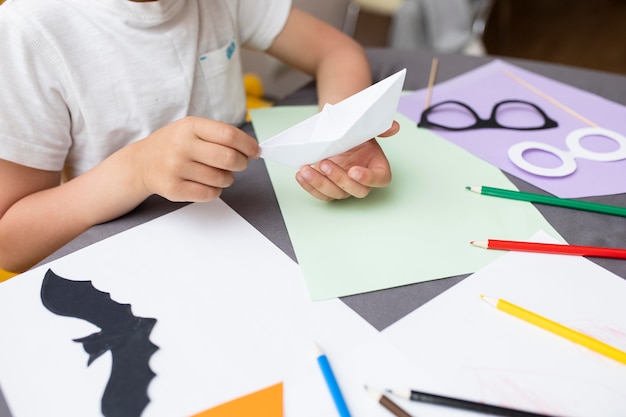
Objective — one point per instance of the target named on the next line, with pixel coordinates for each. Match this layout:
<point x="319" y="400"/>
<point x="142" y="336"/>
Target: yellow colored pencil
<point x="558" y="329"/>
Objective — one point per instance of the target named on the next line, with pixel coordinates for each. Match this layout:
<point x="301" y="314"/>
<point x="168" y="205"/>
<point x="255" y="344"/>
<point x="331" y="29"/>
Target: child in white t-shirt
<point x="134" y="98"/>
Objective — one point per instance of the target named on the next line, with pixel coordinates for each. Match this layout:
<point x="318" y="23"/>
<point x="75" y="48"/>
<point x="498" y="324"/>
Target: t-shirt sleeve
<point x="34" y="119"/>
<point x="260" y="21"/>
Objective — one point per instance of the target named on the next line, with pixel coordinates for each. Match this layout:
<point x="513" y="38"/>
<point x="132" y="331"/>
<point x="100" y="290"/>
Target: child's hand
<point x="192" y="159"/>
<point x="352" y="173"/>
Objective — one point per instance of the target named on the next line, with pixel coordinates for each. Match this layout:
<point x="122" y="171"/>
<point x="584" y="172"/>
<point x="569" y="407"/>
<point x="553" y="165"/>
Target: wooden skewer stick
<point x="549" y="98"/>
<point x="431" y="81"/>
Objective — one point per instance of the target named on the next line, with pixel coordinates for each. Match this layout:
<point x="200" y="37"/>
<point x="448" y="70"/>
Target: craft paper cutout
<point x="576" y="150"/>
<point x="424" y="218"/>
<point x="499" y="111"/>
<point x="574" y="140"/>
<point x="485" y="355"/>
<point x="568" y="170"/>
<point x="122" y="333"/>
<point x="233" y="316"/>
<point x="267" y="402"/>
<point x="339" y="127"/>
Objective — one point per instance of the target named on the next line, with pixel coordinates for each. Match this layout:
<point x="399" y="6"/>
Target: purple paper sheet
<point x="487" y="85"/>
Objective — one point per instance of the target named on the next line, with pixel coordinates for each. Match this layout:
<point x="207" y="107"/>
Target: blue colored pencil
<point x="331" y="381"/>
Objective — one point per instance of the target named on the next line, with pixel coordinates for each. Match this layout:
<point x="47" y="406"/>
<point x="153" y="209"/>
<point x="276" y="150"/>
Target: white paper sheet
<point x="233" y="317"/>
<point x="339" y="127"/>
<point x="484" y="354"/>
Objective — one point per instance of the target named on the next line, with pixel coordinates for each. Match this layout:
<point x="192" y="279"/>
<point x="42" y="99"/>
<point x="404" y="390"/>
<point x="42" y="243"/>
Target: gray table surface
<point x="252" y="195"/>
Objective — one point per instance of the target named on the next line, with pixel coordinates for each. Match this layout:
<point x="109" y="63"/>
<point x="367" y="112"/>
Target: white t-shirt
<point x="79" y="79"/>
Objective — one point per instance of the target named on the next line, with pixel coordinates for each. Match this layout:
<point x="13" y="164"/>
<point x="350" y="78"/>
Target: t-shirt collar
<point x="144" y="14"/>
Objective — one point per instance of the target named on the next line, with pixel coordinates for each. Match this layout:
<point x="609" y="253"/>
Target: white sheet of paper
<point x="484" y="354"/>
<point x="339" y="127"/>
<point x="233" y="317"/>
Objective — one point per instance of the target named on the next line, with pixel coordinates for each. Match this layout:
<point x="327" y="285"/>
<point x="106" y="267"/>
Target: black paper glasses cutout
<point x="475" y="122"/>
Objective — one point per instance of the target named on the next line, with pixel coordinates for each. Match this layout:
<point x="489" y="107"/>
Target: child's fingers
<point x="224" y="134"/>
<point x="395" y="128"/>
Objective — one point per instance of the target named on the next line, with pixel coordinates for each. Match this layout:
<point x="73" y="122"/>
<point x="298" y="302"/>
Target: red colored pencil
<point x="554" y="248"/>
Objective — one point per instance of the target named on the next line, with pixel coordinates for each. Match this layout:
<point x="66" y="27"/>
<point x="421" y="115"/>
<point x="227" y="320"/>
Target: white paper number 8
<point x="568" y="158"/>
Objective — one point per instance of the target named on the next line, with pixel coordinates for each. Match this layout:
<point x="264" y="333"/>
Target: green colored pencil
<point x="550" y="200"/>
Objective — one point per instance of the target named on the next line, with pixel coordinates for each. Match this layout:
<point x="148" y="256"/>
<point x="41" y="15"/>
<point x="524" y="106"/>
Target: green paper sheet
<point x="416" y="229"/>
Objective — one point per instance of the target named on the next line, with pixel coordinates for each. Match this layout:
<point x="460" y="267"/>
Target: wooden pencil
<point x="557" y="329"/>
<point x="550" y="200"/>
<point x="479" y="407"/>
<point x="331" y="382"/>
<point x="553" y="248"/>
<point x="383" y="400"/>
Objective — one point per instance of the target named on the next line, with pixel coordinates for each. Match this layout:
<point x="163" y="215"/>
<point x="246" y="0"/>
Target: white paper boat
<point x="338" y="128"/>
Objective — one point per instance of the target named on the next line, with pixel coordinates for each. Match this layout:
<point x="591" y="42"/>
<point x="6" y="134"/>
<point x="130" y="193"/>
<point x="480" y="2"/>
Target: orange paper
<point x="267" y="402"/>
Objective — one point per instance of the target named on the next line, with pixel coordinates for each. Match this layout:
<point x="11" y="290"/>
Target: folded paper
<point x="339" y="127"/>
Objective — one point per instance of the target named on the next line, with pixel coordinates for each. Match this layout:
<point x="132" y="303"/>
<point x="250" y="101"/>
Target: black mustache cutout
<point x="125" y="335"/>
<point x="491" y="123"/>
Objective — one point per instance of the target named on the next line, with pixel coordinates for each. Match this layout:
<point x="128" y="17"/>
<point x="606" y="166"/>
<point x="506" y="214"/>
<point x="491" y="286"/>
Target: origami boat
<point x="339" y="127"/>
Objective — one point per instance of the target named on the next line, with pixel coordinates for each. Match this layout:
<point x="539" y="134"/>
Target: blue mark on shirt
<point x="231" y="49"/>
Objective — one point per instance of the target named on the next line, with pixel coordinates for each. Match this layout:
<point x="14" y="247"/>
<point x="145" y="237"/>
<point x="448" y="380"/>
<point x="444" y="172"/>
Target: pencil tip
<point x="489" y="300"/>
<point x="404" y="393"/>
<point x="374" y="392"/>
<point x="480" y="243"/>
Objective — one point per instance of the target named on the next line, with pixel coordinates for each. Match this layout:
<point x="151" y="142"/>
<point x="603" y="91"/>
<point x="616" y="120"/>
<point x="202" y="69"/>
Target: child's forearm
<point x="191" y="159"/>
<point x="42" y="222"/>
<point x="342" y="73"/>
<point x="337" y="61"/>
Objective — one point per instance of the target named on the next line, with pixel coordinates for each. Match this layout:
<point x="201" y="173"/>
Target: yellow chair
<point x="254" y="93"/>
